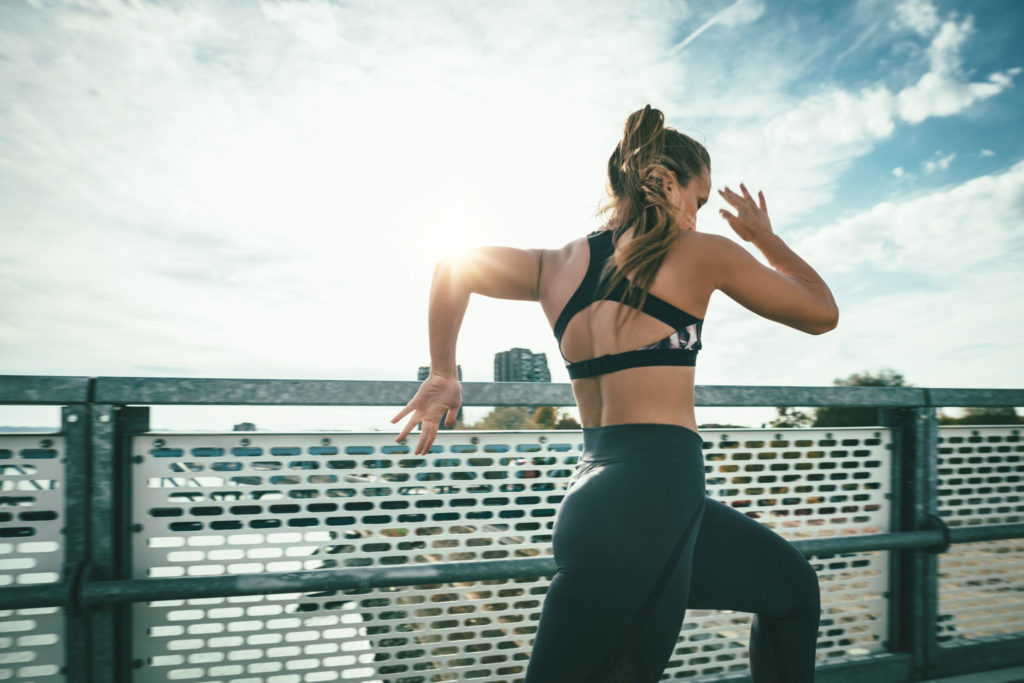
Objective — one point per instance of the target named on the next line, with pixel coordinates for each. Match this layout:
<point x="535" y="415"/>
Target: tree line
<point x="840" y="416"/>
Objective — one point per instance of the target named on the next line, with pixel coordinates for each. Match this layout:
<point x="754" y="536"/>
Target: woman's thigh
<point x="739" y="564"/>
<point x="623" y="541"/>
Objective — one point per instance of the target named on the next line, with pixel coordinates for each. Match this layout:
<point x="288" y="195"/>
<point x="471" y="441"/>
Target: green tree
<point x="522" y="417"/>
<point x="544" y="417"/>
<point x="567" y="421"/>
<point x="790" y="417"/>
<point x="505" y="417"/>
<point x="841" y="416"/>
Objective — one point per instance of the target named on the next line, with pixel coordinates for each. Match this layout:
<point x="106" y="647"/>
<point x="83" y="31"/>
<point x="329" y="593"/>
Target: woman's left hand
<point x="436" y="395"/>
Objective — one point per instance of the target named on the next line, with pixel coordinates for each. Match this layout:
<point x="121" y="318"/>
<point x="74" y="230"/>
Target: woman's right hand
<point x="790" y="292"/>
<point x="437" y="396"/>
<point x="751" y="220"/>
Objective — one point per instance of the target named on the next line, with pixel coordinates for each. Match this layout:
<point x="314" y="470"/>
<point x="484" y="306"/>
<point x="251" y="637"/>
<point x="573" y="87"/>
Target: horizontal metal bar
<point x="884" y="667"/>
<point x="751" y="396"/>
<point x="866" y="542"/>
<point x="992" y="532"/>
<point x="359" y="578"/>
<point x="36" y="595"/>
<point x="155" y="390"/>
<point x="362" y="578"/>
<point x="963" y="657"/>
<point x="43" y="389"/>
<point x="976" y="397"/>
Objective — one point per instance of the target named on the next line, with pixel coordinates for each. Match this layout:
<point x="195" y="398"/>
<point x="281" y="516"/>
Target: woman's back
<point x="636" y="394"/>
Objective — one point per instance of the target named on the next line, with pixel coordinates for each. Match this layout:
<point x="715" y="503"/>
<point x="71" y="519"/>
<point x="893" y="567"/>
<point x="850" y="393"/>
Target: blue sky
<point x="236" y="189"/>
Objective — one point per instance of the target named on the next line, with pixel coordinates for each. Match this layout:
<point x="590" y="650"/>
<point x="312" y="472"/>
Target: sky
<point x="261" y="189"/>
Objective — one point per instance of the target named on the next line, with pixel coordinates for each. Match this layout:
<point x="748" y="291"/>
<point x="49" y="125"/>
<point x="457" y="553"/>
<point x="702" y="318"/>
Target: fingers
<point x="731" y="197"/>
<point x="427" y="435"/>
<point x="764" y="206"/>
<point x="408" y="428"/>
<point x="746" y="194"/>
<point x="402" y="413"/>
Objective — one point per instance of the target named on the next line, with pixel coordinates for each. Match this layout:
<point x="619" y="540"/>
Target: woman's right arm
<point x="790" y="292"/>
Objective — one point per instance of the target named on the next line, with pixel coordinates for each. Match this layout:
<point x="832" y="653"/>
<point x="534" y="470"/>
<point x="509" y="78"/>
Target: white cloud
<point x="987" y="153"/>
<point x="919" y="15"/>
<point x="940" y="95"/>
<point x="940" y="235"/>
<point x="899" y="172"/>
<point x="738" y="13"/>
<point x="938" y="162"/>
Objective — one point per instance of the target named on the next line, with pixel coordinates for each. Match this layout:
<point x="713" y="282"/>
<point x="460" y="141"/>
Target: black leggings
<point x="637" y="542"/>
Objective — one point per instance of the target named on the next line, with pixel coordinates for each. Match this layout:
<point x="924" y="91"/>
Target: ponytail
<point x="647" y="158"/>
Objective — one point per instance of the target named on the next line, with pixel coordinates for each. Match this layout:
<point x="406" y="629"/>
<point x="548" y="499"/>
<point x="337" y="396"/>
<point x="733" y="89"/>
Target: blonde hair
<point x="646" y="158"/>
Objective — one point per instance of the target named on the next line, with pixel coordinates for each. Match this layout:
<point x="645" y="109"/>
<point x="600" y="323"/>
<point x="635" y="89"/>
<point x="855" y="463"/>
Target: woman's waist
<point x="639" y="439"/>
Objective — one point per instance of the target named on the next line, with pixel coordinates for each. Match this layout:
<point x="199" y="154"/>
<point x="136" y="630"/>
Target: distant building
<point x="424" y="372"/>
<point x="521" y="365"/>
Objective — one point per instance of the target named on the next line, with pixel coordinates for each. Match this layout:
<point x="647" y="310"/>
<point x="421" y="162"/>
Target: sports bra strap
<point x="631" y="359"/>
<point x="587" y="292"/>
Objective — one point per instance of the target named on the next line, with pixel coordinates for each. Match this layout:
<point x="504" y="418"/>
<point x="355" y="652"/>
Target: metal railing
<point x="103" y="419"/>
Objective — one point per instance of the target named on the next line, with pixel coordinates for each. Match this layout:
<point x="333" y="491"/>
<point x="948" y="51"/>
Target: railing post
<point x="914" y="579"/>
<point x="104" y="539"/>
<point x="131" y="420"/>
<point x="108" y="521"/>
<point x="77" y="549"/>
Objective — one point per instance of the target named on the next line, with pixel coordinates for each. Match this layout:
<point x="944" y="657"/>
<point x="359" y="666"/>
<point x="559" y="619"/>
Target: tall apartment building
<point x="521" y="365"/>
<point x="424" y="371"/>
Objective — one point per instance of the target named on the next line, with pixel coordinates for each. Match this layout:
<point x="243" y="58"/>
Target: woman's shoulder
<point x="703" y="245"/>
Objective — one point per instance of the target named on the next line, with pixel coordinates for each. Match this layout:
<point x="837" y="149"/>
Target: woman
<point x="636" y="542"/>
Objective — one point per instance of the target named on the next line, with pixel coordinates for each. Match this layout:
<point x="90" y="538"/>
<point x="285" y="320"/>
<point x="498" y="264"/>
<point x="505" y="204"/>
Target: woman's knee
<point x="807" y="591"/>
<point x="801" y="590"/>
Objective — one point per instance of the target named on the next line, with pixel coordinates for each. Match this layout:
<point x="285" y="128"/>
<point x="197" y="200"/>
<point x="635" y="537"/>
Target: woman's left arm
<point x="499" y="272"/>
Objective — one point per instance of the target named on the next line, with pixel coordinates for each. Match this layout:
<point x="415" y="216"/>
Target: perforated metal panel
<point x="802" y="484"/>
<point x="218" y="504"/>
<point x="981" y="585"/>
<point x="31" y="552"/>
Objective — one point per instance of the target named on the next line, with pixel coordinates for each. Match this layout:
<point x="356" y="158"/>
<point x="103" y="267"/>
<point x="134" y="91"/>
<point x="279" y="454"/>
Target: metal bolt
<point x="243" y="442"/>
<point x="325" y="442"/>
<point x="543" y="439"/>
<point x="474" y="439"/>
<point x="136" y="528"/>
<point x="46" y="443"/>
<point x="72" y="418"/>
<point x="137" y="459"/>
<point x="159" y="443"/>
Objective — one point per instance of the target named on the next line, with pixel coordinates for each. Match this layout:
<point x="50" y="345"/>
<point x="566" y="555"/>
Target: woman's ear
<point x="672" y="190"/>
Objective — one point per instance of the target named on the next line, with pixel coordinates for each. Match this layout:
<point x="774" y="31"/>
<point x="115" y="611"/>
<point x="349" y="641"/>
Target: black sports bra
<point x="678" y="348"/>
